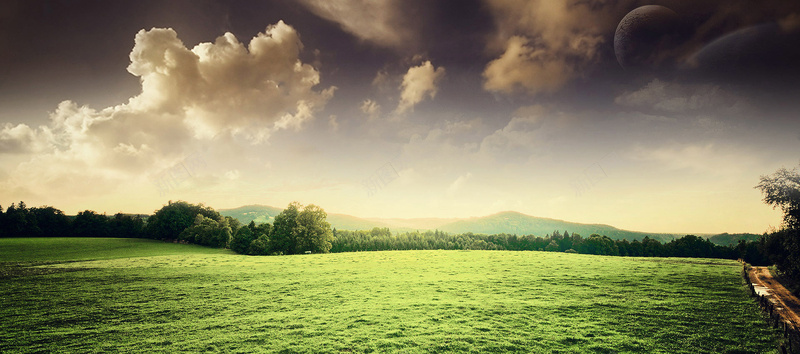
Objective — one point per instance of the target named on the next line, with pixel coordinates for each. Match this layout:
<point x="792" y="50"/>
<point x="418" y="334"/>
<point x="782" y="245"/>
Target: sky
<point x="655" y="116"/>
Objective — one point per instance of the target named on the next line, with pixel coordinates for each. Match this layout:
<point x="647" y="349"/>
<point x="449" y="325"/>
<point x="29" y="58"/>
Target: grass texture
<point x="117" y="295"/>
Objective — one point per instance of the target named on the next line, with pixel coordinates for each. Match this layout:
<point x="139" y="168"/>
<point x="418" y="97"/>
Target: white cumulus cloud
<point x="418" y="83"/>
<point x="21" y="138"/>
<point x="224" y="90"/>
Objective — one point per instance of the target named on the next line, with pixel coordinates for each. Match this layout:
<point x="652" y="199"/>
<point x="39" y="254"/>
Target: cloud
<point x="679" y="98"/>
<point x="419" y="82"/>
<point x="790" y="23"/>
<point x="458" y="184"/>
<point x="529" y="133"/>
<point x="541" y="45"/>
<point x="383" y="81"/>
<point x="333" y="122"/>
<point x="448" y="139"/>
<point x="17" y="139"/>
<point x="544" y="43"/>
<point x="521" y="138"/>
<point x="721" y="17"/>
<point x="215" y="91"/>
<point x="709" y="158"/>
<point x="381" y="22"/>
<point x="438" y="152"/>
<point x="225" y="86"/>
<point x="371" y="108"/>
<point x="522" y="66"/>
<point x="233" y="174"/>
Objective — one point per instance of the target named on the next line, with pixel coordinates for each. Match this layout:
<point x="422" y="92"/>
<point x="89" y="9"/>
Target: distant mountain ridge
<point x="509" y="222"/>
<point x="258" y="213"/>
<point x="512" y="222"/>
<point x="263" y="213"/>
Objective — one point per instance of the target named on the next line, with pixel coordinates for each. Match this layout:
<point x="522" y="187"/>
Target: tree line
<point x="297" y="229"/>
<point x="301" y="229"/>
<point x="382" y="239"/>
<point x="304" y="229"/>
<point x="18" y="220"/>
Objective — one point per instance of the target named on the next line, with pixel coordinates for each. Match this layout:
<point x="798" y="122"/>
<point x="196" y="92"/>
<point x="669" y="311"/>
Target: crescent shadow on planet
<point x="762" y="52"/>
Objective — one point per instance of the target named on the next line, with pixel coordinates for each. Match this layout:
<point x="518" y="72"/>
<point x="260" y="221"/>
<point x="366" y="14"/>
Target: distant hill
<point x="727" y="239"/>
<point x="512" y="222"/>
<point x="248" y="213"/>
<point x="264" y="213"/>
<point x="416" y="224"/>
<point x="506" y="222"/>
<point x="347" y="222"/>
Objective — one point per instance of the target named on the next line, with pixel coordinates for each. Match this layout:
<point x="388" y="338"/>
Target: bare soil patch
<point x="767" y="286"/>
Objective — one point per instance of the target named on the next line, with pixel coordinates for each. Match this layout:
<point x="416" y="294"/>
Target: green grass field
<point x="144" y="296"/>
<point x="73" y="249"/>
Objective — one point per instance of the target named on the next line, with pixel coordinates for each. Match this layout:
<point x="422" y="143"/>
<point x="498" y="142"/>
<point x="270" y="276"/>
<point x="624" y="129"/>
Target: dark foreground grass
<point x="406" y="301"/>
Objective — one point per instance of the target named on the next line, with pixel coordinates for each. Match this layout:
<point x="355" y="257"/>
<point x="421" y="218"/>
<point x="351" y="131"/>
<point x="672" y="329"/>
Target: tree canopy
<point x="297" y="229"/>
<point x="168" y="222"/>
<point x="283" y="239"/>
<point x="313" y="233"/>
<point x="782" y="190"/>
<point x="207" y="232"/>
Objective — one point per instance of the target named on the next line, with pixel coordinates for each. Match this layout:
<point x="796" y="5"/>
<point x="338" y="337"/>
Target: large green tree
<point x="252" y="239"/>
<point x="91" y="224"/>
<point x="782" y="190"/>
<point x="50" y="221"/>
<point x="597" y="244"/>
<point x="283" y="239"/>
<point x="241" y="240"/>
<point x="207" y="232"/>
<point x="168" y="222"/>
<point x="126" y="225"/>
<point x="299" y="229"/>
<point x="313" y="233"/>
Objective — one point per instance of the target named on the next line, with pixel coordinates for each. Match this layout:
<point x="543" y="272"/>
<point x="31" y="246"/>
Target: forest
<point x="381" y="239"/>
<point x="302" y="229"/>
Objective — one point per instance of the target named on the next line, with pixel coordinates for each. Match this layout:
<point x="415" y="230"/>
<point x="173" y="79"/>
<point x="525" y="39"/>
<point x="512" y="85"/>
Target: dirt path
<point x="766" y="285"/>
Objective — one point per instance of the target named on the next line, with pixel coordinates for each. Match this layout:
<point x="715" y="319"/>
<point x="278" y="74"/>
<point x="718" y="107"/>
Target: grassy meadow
<point x="60" y="249"/>
<point x="120" y="295"/>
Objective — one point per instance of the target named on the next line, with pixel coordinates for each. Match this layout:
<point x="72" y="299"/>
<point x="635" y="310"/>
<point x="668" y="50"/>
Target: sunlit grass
<point x="404" y="301"/>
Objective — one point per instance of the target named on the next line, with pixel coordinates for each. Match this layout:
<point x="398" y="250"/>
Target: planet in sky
<point x="644" y="35"/>
<point x="761" y="52"/>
